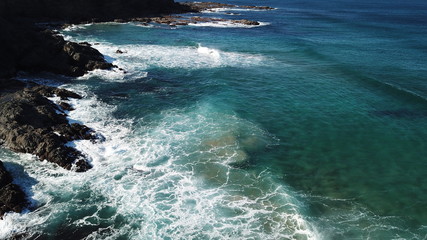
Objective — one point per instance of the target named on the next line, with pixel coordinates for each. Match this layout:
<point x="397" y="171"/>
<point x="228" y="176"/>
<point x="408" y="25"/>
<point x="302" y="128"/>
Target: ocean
<point x="312" y="125"/>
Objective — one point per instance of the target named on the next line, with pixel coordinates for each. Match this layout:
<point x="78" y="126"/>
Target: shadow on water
<point x="23" y="180"/>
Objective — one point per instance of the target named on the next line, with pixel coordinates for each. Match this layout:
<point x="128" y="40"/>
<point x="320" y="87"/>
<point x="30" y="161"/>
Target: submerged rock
<point x="31" y="123"/>
<point x="12" y="198"/>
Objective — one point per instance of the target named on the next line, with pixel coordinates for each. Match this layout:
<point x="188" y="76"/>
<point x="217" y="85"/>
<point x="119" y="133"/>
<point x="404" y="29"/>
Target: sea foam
<point x="183" y="175"/>
<point x="226" y="24"/>
<point x="171" y="178"/>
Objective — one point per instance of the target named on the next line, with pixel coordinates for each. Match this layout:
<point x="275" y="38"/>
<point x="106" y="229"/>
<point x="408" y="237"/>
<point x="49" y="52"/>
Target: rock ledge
<point x="31" y="123"/>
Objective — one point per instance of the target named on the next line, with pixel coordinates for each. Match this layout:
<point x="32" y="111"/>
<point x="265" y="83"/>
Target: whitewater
<point x="310" y="125"/>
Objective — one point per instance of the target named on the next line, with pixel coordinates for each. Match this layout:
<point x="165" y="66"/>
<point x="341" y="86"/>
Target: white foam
<point x="225" y="9"/>
<point x="167" y="179"/>
<point x="226" y="24"/>
<point x="215" y="54"/>
<point x="74" y="27"/>
<point x="136" y="60"/>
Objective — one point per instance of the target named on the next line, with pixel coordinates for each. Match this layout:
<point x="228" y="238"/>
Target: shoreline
<point x="30" y="122"/>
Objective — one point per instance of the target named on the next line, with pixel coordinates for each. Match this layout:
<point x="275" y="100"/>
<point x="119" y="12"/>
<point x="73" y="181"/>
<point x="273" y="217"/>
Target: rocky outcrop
<point x="24" y="47"/>
<point x="176" y="20"/>
<point x="31" y="123"/>
<point x="180" y="20"/>
<point x="52" y="53"/>
<point x="206" y="6"/>
<point x="12" y="198"/>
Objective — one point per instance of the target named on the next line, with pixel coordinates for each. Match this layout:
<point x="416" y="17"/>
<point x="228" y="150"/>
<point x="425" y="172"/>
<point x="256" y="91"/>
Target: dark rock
<point x="66" y="106"/>
<point x="5" y="177"/>
<point x="12" y="198"/>
<point x="246" y="22"/>
<point x="53" y="54"/>
<point x="203" y="6"/>
<point x="119" y="51"/>
<point x="30" y="123"/>
<point x="10" y="85"/>
<point x="257" y="7"/>
<point x="24" y="47"/>
<point x="180" y="20"/>
<point x="51" y="91"/>
<point x="85" y="44"/>
<point x="71" y="132"/>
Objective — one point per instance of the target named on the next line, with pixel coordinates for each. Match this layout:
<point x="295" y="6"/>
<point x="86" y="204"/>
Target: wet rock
<point x="66" y="106"/>
<point x="81" y="43"/>
<point x="203" y="6"/>
<point x="257" y="7"/>
<point x="10" y="85"/>
<point x="51" y="91"/>
<point x="246" y="22"/>
<point x="30" y="123"/>
<point x="25" y="47"/>
<point x="12" y="198"/>
<point x="51" y="53"/>
<point x="180" y="20"/>
<point x="206" y="6"/>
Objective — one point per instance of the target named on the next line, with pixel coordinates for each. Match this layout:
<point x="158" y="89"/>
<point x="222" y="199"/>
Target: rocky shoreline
<point x="182" y="21"/>
<point x="29" y="121"/>
<point x="209" y="6"/>
<point x="197" y="7"/>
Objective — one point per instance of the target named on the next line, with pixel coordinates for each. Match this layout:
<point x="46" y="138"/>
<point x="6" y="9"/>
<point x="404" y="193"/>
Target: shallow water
<point x="311" y="126"/>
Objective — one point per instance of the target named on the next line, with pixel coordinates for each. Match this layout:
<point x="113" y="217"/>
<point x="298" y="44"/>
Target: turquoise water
<point x="310" y="126"/>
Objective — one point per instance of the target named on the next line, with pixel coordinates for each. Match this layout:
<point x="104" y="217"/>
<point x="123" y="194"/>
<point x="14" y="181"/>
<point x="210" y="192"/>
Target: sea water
<point x="312" y="125"/>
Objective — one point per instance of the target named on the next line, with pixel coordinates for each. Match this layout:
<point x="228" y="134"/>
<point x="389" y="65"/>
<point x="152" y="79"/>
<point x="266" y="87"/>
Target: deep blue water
<point x="311" y="126"/>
